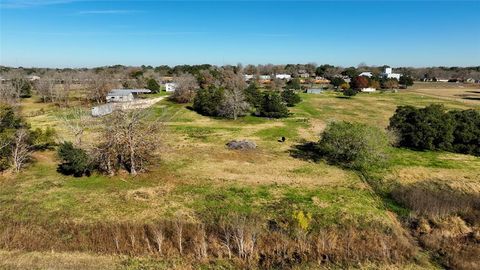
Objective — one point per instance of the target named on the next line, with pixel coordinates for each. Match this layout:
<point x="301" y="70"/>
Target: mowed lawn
<point x="196" y="176"/>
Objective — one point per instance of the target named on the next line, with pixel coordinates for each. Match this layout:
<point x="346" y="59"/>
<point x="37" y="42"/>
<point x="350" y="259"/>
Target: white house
<point x="283" y="76"/>
<point x="264" y="77"/>
<point x="388" y="73"/>
<point x="366" y="74"/>
<point x="170" y="87"/>
<point x="248" y="77"/>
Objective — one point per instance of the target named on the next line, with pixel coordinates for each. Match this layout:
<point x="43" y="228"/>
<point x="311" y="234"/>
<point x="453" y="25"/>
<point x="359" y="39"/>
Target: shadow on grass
<point x="473" y="91"/>
<point x="472" y="98"/>
<point x="343" y="97"/>
<point x="307" y="151"/>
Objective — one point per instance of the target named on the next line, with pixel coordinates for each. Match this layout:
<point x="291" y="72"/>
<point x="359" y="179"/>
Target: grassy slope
<point x="198" y="176"/>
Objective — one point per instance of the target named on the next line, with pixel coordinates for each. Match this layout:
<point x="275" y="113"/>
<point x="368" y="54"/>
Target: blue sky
<point x="75" y="33"/>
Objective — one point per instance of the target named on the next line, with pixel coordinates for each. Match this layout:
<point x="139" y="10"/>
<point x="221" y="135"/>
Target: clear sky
<point x="75" y="33"/>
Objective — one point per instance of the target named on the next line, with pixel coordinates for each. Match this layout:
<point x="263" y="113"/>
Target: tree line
<point x="224" y="93"/>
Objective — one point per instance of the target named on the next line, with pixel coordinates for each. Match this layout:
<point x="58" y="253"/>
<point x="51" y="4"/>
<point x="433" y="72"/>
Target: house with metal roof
<point x="125" y="95"/>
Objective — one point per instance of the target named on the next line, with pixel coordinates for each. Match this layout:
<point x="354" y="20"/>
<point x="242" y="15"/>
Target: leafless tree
<point x="234" y="103"/>
<point x="77" y="120"/>
<point x="186" y="85"/>
<point x="276" y="84"/>
<point x="45" y="89"/>
<point x="7" y="92"/>
<point x="99" y="86"/>
<point x="130" y="139"/>
<point x="21" y="149"/>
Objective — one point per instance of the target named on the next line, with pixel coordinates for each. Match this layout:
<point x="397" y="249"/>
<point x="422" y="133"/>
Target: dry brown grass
<point x="256" y="167"/>
<point x="20" y="260"/>
<point x="468" y="93"/>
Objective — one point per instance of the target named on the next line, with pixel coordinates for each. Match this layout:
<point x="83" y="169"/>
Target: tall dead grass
<point x="243" y="240"/>
<point x="445" y="221"/>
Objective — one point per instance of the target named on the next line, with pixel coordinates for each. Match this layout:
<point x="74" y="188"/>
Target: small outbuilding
<point x="314" y="91"/>
<point x="369" y="90"/>
<point x="170" y="87"/>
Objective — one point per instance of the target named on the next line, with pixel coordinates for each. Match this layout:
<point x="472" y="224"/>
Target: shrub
<point x="75" y="161"/>
<point x="337" y="82"/>
<point x="153" y="85"/>
<point x="208" y="101"/>
<point x="43" y="139"/>
<point x="294" y="84"/>
<point x="345" y="86"/>
<point x="428" y="128"/>
<point x="406" y="80"/>
<point x="466" y="132"/>
<point x="273" y="106"/>
<point x="290" y="97"/>
<point x="353" y="145"/>
<point x="350" y="92"/>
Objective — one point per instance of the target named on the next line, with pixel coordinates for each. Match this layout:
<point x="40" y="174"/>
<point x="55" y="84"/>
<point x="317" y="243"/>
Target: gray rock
<point x="241" y="145"/>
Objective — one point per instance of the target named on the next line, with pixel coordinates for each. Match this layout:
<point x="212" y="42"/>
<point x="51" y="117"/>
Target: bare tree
<point x="234" y="103"/>
<point x="45" y="89"/>
<point x="7" y="92"/>
<point x="130" y="140"/>
<point x="186" y="85"/>
<point x="77" y="121"/>
<point x="99" y="86"/>
<point x="21" y="149"/>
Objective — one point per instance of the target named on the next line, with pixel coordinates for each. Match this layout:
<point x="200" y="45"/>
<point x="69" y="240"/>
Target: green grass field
<point x="196" y="177"/>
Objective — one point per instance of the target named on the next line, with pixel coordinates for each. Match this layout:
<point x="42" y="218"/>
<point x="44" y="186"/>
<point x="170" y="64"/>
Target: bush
<point x="290" y="97"/>
<point x="208" y="101"/>
<point x="429" y="128"/>
<point x="43" y="139"/>
<point x="406" y="80"/>
<point x="153" y="85"/>
<point x="466" y="132"/>
<point x="353" y="145"/>
<point x="75" y="161"/>
<point x="337" y="82"/>
<point x="294" y="84"/>
<point x="273" y="106"/>
<point x="350" y="92"/>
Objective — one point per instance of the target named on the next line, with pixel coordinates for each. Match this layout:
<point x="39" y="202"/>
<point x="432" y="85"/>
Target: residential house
<point x="366" y="74"/>
<point x="388" y="74"/>
<point x="125" y="95"/>
<point x="283" y="76"/>
<point x="170" y="87"/>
